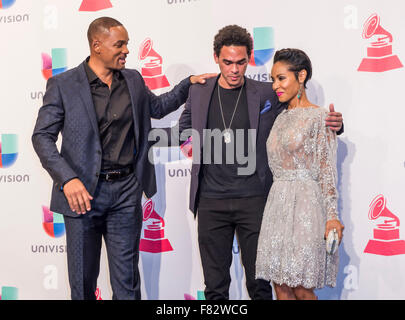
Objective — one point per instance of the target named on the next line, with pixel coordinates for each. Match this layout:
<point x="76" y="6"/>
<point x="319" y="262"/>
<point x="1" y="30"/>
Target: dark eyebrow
<point x="121" y="41"/>
<point x="229" y="61"/>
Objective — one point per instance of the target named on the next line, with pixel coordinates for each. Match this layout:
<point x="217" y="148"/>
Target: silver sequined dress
<point x="302" y="158"/>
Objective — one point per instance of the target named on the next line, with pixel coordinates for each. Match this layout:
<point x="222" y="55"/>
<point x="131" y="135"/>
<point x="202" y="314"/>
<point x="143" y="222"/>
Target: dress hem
<point x="296" y="284"/>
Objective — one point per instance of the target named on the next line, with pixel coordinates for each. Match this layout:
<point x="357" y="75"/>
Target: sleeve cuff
<point x="63" y="184"/>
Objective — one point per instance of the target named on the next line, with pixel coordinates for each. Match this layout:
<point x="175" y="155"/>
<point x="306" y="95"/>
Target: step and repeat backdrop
<point x="357" y="49"/>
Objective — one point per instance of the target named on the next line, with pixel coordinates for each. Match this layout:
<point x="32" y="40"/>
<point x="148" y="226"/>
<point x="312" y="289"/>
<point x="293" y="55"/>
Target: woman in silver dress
<point x="301" y="207"/>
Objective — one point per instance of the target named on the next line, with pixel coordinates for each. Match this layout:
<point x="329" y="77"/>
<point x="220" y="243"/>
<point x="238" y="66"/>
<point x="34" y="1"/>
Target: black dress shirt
<point x="115" y="122"/>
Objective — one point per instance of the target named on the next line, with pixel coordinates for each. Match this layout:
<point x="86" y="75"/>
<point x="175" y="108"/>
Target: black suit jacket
<point x="68" y="109"/>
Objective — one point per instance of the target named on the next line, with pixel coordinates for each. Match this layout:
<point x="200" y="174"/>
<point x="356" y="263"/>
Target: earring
<point x="300" y="91"/>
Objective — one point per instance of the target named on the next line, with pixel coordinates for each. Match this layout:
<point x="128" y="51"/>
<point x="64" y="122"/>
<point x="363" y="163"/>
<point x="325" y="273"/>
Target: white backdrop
<point x="371" y="155"/>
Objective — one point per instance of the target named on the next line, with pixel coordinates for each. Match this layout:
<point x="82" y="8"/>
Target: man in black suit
<point x="103" y="112"/>
<point x="229" y="195"/>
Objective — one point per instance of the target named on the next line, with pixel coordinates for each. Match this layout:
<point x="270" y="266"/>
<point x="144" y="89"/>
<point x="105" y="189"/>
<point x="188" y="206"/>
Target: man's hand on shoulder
<point x="334" y="119"/>
<point x="202" y="77"/>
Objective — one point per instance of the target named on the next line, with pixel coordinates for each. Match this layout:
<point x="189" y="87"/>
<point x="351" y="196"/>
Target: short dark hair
<point x="233" y="35"/>
<point x="296" y="59"/>
<point x="100" y="25"/>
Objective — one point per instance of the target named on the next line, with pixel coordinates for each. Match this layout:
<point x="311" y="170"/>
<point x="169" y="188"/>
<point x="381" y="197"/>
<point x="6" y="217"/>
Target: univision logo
<point x="53" y="223"/>
<point x="177" y="173"/>
<point x="8" y="156"/>
<point x="54" y="226"/>
<point x="9" y="293"/>
<point x="51" y="65"/>
<point x="263" y="46"/>
<point x="200" y="296"/>
<point x="8" y="150"/>
<point x="5" y="4"/>
<point x="55" y="63"/>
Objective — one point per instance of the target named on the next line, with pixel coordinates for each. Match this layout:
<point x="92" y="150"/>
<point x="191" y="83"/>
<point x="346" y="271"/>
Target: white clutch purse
<point x="332" y="242"/>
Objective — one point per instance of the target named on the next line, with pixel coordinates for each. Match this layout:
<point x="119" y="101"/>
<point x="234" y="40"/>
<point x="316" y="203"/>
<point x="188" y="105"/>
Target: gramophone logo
<point x="54" y="64"/>
<point x="154" y="236"/>
<point x="53" y="223"/>
<point x="187" y="148"/>
<point x="152" y="66"/>
<point x="5" y="4"/>
<point x="263" y="46"/>
<point x="98" y="294"/>
<point x="379" y="52"/>
<point x="386" y="241"/>
<point x="8" y="150"/>
<point x="95" y="5"/>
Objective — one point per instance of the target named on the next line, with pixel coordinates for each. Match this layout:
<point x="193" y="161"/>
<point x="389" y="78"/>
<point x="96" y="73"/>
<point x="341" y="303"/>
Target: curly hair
<point x="233" y="35"/>
<point x="296" y="60"/>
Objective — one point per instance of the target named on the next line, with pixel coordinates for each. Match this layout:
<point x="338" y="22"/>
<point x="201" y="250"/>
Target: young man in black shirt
<point x="228" y="195"/>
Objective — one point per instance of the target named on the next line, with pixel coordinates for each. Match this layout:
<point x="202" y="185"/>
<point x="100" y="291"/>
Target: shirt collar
<point x="93" y="78"/>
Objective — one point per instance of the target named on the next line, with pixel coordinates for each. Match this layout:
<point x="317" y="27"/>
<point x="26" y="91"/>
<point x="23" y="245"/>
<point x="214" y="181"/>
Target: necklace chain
<point x="234" y="111"/>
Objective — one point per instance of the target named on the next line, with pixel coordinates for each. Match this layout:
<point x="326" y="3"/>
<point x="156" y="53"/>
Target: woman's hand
<point x="334" y="224"/>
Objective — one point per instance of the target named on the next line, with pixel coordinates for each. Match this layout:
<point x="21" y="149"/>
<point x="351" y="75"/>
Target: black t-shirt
<point x="220" y="177"/>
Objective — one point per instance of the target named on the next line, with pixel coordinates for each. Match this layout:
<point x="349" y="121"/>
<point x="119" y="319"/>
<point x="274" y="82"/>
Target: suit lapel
<point x="253" y="101"/>
<point x="83" y="88"/>
<point x="131" y="84"/>
<point x="201" y="109"/>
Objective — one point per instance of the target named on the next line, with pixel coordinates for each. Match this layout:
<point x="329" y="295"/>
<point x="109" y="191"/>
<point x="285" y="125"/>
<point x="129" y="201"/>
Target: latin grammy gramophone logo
<point x="187" y="148"/>
<point x="95" y="5"/>
<point x="98" y="294"/>
<point x="154" y="234"/>
<point x="152" y="66"/>
<point x="386" y="240"/>
<point x="379" y="52"/>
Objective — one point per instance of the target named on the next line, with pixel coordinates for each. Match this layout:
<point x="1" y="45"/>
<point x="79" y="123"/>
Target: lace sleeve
<point x="326" y="156"/>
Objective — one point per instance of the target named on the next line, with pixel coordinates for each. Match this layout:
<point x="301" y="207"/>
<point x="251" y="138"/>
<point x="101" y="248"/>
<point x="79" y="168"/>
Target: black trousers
<point x="116" y="216"/>
<point x="218" y="220"/>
